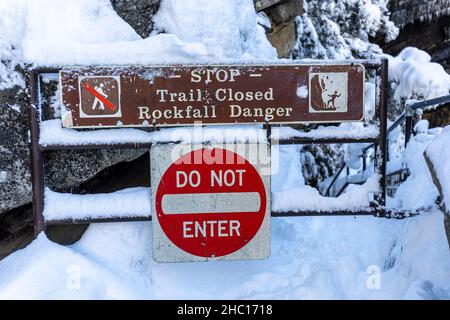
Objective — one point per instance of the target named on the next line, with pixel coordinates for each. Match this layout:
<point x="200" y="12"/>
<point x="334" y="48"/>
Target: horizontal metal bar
<point x="391" y="213"/>
<point x="295" y="140"/>
<point x="415" y="106"/>
<point x="371" y="64"/>
<point x="368" y="64"/>
<point x="51" y="147"/>
<point x="382" y="213"/>
<point x="430" y="102"/>
<point x="274" y="214"/>
<point x="39" y="70"/>
<point x="93" y="220"/>
<point x="307" y="140"/>
<point x="368" y="212"/>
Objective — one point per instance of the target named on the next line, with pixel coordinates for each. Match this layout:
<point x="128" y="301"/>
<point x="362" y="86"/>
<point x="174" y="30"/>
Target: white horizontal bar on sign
<point x="227" y="202"/>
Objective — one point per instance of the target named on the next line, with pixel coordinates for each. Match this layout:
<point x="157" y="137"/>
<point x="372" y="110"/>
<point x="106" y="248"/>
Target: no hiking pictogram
<point x="99" y="97"/>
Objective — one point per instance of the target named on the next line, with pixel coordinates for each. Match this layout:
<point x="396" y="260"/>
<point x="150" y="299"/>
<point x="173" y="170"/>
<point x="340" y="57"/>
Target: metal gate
<point x="377" y="207"/>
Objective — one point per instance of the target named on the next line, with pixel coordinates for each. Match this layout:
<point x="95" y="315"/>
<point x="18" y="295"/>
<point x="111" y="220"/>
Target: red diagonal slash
<point x="105" y="101"/>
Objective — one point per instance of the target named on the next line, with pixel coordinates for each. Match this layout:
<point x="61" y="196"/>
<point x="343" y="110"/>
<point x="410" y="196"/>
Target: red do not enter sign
<point x="209" y="203"/>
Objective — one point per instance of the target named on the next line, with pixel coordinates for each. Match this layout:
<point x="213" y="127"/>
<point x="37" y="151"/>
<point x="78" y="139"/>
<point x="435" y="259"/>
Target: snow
<point x="370" y="17"/>
<point x="58" y="265"/>
<point x="330" y="29"/>
<point x="70" y="24"/>
<point x="312" y="258"/>
<point x="415" y="76"/>
<point x="52" y="133"/>
<point x="86" y="32"/>
<point x="302" y="92"/>
<point x="131" y="202"/>
<point x="344" y="130"/>
<point x="90" y="32"/>
<point x="243" y="36"/>
<point x="10" y="37"/>
<point x="418" y="190"/>
<point x="289" y="167"/>
<point x="3" y="176"/>
<point x="307" y="198"/>
<point x="421" y="126"/>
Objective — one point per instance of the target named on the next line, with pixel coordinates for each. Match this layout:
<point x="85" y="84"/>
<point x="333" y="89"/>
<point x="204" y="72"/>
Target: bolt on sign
<point x="183" y="95"/>
<point x="210" y="202"/>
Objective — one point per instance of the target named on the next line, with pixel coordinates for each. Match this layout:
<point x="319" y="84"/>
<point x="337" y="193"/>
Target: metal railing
<point x="407" y="116"/>
<point x="412" y="108"/>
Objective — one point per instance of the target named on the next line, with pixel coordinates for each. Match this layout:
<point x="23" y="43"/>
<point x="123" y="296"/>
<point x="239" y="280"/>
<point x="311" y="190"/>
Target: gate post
<point x="37" y="165"/>
<point x="409" y="113"/>
<point x="383" y="75"/>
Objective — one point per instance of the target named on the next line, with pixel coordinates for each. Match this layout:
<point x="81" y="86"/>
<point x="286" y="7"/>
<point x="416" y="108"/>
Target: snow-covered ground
<point x="320" y="257"/>
<point x="314" y="257"/>
<point x="311" y="257"/>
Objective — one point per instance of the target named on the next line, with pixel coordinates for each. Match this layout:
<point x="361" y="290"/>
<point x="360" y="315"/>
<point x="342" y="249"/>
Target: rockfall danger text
<point x="210" y="111"/>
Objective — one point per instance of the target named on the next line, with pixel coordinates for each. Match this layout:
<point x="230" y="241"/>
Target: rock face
<point x="424" y="24"/>
<point x="64" y="170"/>
<point x="15" y="183"/>
<point x="138" y="14"/>
<point x="281" y="13"/>
<point x="410" y="11"/>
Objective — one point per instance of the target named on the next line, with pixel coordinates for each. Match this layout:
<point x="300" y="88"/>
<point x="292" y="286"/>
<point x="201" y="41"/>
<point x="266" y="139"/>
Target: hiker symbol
<point x="328" y="92"/>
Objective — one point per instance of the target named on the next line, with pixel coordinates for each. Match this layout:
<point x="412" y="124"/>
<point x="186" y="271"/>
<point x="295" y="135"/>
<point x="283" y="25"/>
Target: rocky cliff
<point x="424" y="24"/>
<point x="404" y="12"/>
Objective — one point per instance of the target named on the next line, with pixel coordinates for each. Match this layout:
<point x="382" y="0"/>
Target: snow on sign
<point x="210" y="202"/>
<point x="182" y="95"/>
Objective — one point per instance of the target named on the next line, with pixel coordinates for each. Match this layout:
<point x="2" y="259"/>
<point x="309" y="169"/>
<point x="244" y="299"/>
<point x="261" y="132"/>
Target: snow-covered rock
<point x="414" y="76"/>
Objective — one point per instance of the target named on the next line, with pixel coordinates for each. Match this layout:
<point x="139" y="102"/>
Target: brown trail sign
<point x="183" y="95"/>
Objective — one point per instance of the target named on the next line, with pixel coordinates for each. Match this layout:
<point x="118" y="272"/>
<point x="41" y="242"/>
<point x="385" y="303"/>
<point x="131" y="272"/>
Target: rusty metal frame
<point x="37" y="153"/>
